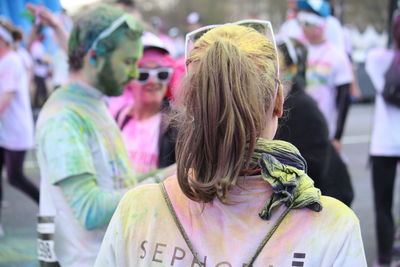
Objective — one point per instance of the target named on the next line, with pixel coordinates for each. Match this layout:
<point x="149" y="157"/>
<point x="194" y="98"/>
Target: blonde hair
<point x="226" y="99"/>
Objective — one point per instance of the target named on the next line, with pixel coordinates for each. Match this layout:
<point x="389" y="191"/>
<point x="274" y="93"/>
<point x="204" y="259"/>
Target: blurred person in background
<point x="16" y="121"/>
<point x="329" y="71"/>
<point x="235" y="184"/>
<point x="334" y="32"/>
<point x="160" y="32"/>
<point x="305" y="127"/>
<point x="41" y="65"/>
<point x="44" y="16"/>
<point x="178" y="42"/>
<point x="144" y="123"/>
<point x="60" y="25"/>
<point x="193" y="21"/>
<point x="383" y="67"/>
<point x="292" y="28"/>
<point x="25" y="56"/>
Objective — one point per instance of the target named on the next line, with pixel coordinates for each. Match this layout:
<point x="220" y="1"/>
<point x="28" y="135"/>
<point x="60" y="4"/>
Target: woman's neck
<point x="141" y="111"/>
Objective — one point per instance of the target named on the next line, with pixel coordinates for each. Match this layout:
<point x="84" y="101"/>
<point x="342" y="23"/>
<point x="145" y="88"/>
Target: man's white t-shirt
<point x="385" y="140"/>
<point x="76" y="135"/>
<point x="142" y="231"/>
<point x="327" y="68"/>
<point x="16" y="122"/>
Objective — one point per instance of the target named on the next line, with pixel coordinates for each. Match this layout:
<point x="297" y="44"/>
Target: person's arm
<point x="91" y="206"/>
<point x="5" y="100"/>
<point x="49" y="19"/>
<point x="65" y="157"/>
<point x="342" y="103"/>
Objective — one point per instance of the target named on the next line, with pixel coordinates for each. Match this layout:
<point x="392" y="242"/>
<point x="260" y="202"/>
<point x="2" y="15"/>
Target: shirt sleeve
<point x="10" y="75"/>
<point x="113" y="250"/>
<point x="63" y="147"/>
<point x="352" y="252"/>
<point x="128" y="223"/>
<point x="91" y="206"/>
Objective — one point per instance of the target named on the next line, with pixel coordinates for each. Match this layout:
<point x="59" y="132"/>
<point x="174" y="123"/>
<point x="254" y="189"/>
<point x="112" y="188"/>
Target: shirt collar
<point x="90" y="90"/>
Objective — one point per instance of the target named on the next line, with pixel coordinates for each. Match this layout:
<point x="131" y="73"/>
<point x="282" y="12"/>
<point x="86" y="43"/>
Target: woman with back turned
<point x="239" y="198"/>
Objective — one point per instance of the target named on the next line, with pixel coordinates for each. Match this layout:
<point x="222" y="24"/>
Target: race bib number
<point x="46" y="251"/>
<point x="46" y="255"/>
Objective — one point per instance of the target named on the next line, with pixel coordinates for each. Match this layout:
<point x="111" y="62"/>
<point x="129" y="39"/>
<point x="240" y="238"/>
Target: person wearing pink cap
<point x="149" y="139"/>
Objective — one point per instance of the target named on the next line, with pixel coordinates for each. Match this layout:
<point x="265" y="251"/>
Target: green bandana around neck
<point x="285" y="170"/>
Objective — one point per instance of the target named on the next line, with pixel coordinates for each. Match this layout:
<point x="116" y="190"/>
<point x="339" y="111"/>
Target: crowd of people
<point x="156" y="151"/>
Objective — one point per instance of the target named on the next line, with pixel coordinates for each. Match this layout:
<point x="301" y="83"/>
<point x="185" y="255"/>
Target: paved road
<point x="17" y="247"/>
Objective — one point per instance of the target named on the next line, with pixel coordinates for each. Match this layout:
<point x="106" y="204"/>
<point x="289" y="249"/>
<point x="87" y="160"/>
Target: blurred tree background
<point x="358" y="13"/>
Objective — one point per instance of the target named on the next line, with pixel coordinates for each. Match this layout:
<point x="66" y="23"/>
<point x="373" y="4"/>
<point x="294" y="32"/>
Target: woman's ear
<point x="278" y="109"/>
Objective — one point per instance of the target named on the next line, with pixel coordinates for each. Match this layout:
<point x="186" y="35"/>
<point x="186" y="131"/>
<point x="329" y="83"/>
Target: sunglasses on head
<point x="163" y="75"/>
<point x="264" y="27"/>
<point x="125" y="18"/>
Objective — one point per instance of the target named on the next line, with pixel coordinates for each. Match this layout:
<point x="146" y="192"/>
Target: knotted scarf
<point x="285" y="170"/>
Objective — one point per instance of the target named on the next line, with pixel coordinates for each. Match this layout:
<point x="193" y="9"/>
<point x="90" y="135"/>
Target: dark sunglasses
<point x="162" y="74"/>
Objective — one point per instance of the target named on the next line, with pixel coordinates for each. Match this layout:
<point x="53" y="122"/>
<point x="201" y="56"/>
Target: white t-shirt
<point x="327" y="68"/>
<point x="76" y="135"/>
<point x="385" y="140"/>
<point x="38" y="52"/>
<point x="16" y="122"/>
<point x="142" y="231"/>
<point x="26" y="57"/>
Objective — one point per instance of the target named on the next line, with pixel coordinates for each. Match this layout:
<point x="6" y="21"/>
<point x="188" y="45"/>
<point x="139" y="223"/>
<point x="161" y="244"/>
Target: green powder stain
<point x="18" y="248"/>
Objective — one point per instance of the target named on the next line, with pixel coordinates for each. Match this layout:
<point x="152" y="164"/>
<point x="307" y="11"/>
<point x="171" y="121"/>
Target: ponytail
<point x="225" y="112"/>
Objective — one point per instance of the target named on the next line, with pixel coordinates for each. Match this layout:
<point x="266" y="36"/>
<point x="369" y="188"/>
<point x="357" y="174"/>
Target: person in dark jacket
<point x="304" y="126"/>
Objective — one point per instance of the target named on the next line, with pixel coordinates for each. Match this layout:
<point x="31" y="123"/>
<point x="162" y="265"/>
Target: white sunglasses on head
<point x="125" y="18"/>
<point x="262" y="26"/>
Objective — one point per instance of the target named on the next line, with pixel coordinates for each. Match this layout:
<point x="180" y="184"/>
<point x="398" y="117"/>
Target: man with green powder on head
<point x="83" y="163"/>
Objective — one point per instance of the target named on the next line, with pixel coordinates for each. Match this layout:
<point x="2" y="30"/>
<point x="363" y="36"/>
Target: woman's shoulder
<point x="143" y="194"/>
<point x="335" y="219"/>
<point x="11" y="59"/>
<point x="336" y="210"/>
<point x="150" y="195"/>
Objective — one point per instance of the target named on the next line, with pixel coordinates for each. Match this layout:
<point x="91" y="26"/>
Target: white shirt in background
<point x="16" y="122"/>
<point x="38" y="52"/>
<point x="327" y="68"/>
<point x="26" y="57"/>
<point x="385" y="140"/>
